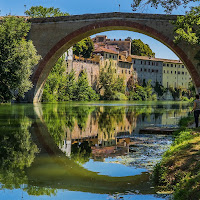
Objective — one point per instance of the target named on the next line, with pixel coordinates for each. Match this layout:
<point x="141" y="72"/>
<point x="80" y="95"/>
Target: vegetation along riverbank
<point x="179" y="169"/>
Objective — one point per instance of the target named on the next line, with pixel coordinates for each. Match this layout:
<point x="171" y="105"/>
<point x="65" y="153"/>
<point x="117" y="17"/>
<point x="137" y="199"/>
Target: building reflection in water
<point x="110" y="130"/>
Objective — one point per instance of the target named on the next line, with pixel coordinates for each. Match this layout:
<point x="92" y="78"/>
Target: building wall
<point x="169" y="73"/>
<point x="148" y="70"/>
<point x="91" y="68"/>
<point x="175" y="75"/>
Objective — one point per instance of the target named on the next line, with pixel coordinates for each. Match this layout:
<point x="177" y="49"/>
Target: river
<point x="83" y="150"/>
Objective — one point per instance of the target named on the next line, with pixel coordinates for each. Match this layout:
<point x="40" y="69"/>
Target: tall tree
<point x="17" y="58"/>
<point x="141" y="49"/>
<point x="84" y="48"/>
<point x="168" y="5"/>
<point x="110" y="82"/>
<point x="83" y="90"/>
<point x="40" y="12"/>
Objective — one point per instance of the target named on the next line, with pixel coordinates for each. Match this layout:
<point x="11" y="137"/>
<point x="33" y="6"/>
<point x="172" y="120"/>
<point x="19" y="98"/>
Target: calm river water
<point x="78" y="150"/>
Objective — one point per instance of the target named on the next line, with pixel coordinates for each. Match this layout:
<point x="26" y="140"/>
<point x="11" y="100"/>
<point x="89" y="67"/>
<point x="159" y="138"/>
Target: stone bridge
<point x="53" y="36"/>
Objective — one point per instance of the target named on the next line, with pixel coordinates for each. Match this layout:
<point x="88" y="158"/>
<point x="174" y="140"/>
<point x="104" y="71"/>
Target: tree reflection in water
<point x="85" y="127"/>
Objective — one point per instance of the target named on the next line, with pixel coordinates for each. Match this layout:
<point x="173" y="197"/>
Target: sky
<point x="77" y="7"/>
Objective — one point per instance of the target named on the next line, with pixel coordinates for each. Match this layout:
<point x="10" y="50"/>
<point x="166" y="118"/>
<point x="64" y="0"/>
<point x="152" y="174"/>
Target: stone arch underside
<point x="44" y="67"/>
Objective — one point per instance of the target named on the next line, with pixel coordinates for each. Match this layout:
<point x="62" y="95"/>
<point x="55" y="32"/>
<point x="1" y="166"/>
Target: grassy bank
<point x="179" y="169"/>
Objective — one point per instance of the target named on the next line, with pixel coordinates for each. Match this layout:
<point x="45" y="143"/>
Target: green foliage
<point x="41" y="12"/>
<point x="17" y="58"/>
<point x="179" y="167"/>
<point x="63" y="87"/>
<point x="54" y="89"/>
<point x="188" y="188"/>
<point x="159" y="89"/>
<point x="81" y="153"/>
<point x="84" y="48"/>
<point x="168" y="5"/>
<point x="186" y="121"/>
<point x="141" y="49"/>
<point x="119" y="96"/>
<point x="131" y="83"/>
<point x="184" y="27"/>
<point x="176" y="92"/>
<point x="142" y="93"/>
<point x="187" y="28"/>
<point x="83" y="91"/>
<point x="60" y="118"/>
<point x="191" y="89"/>
<point x="17" y="150"/>
<point x="111" y="83"/>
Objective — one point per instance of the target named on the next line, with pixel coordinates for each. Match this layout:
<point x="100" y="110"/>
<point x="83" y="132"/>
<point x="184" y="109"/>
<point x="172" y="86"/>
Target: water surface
<point x="83" y="150"/>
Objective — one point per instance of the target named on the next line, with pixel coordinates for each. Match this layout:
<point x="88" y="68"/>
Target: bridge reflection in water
<point x="60" y="138"/>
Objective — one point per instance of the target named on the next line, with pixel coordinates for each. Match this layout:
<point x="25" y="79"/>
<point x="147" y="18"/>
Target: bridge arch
<point x="43" y="69"/>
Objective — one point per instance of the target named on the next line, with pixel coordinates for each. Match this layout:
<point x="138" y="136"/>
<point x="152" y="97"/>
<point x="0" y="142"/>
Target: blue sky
<point x="75" y="7"/>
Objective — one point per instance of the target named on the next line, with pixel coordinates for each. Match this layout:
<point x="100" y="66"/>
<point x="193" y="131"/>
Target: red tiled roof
<point x="102" y="49"/>
<point x="156" y="59"/>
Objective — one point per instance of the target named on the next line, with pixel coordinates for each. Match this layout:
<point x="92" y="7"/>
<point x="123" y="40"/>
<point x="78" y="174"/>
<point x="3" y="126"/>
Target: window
<point x="67" y="65"/>
<point x="149" y="63"/>
<point x="179" y="72"/>
<point x="145" y="62"/>
<point x="148" y="70"/>
<point x="182" y="66"/>
<point x="167" y="65"/>
<point x="167" y="71"/>
<point x="115" y="71"/>
<point x="171" y="72"/>
<point x="171" y="65"/>
<point x="183" y="73"/>
<point x="164" y="64"/>
<point x="122" y="71"/>
<point x="145" y="70"/>
<point x="141" y="70"/>
<point x="134" y="61"/>
<point x="152" y="70"/>
<point x="175" y="65"/>
<point x="175" y="72"/>
<point x="129" y="72"/>
<point x="156" y="64"/>
<point x="141" y="62"/>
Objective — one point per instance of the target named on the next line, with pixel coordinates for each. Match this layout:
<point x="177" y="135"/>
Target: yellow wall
<point x="175" y="75"/>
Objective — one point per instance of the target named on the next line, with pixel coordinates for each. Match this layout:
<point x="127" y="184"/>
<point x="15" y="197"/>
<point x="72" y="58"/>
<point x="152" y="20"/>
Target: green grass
<point x="179" y="169"/>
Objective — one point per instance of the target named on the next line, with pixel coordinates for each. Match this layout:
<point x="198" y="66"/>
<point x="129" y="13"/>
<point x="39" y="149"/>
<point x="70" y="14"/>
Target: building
<point x="175" y="74"/>
<point x="147" y="68"/>
<point x="122" y="46"/>
<point x="102" y="58"/>
<point x="169" y="73"/>
<point x="117" y="53"/>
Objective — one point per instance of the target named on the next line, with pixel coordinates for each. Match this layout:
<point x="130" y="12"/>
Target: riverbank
<point x="179" y="170"/>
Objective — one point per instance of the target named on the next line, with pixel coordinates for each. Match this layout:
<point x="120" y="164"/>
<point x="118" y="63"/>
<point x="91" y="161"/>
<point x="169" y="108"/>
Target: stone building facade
<point x="169" y="73"/>
<point x="121" y="46"/>
<point x="102" y="58"/>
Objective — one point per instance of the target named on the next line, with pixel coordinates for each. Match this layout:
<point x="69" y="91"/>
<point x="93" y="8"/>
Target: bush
<point x="119" y="96"/>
